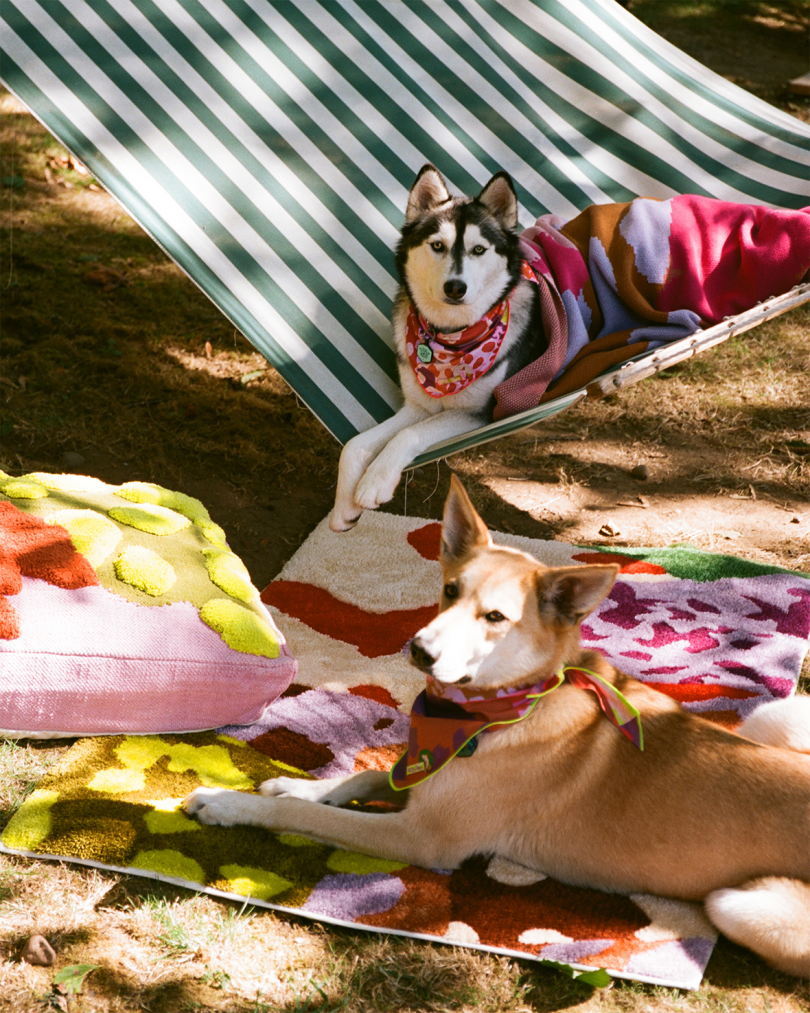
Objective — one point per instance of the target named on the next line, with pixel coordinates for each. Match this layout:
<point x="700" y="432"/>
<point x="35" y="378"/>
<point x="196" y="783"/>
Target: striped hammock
<point x="269" y="147"/>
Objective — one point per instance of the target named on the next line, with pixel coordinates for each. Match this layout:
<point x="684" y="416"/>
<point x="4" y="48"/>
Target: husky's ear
<point x="462" y="528"/>
<point x="428" y="190"/>
<point x="500" y="199"/>
<point x="573" y="592"/>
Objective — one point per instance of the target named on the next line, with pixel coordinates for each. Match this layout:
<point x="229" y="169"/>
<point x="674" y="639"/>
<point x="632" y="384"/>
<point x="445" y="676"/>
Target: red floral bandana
<point x="447" y="363"/>
<point x="445" y="720"/>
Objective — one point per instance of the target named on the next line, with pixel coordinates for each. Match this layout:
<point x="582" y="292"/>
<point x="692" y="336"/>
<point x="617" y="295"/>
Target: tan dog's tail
<point x="783" y="723"/>
<point x="771" y="916"/>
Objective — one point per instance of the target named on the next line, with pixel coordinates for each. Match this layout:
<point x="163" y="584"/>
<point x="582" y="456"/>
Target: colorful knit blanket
<point x="627" y="278"/>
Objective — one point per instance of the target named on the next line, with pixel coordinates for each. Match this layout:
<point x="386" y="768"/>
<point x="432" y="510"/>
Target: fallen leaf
<point x="606" y="531"/>
<point x="69" y="980"/>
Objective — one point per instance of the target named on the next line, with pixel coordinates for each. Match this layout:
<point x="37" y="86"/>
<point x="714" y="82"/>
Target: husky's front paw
<point x="221" y="806"/>
<point x="376" y="487"/>
<point x="342" y="519"/>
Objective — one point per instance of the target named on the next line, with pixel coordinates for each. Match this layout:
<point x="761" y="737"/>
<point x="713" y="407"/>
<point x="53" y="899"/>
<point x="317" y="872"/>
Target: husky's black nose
<point x="420" y="657"/>
<point x="455" y="288"/>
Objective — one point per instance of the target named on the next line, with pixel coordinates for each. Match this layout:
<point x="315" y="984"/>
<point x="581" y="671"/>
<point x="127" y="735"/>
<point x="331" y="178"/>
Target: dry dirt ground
<point x="114" y="365"/>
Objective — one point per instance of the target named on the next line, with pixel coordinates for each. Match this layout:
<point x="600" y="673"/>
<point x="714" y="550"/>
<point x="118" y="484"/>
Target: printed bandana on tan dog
<point x="445" y="719"/>
<point x="623" y="279"/>
<point x="447" y="363"/>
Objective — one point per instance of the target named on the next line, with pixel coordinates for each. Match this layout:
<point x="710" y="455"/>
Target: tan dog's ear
<point x="462" y="528"/>
<point x="573" y="592"/>
<point x="428" y="190"/>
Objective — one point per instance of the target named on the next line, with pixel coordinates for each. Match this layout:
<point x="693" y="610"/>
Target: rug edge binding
<point x="340" y="923"/>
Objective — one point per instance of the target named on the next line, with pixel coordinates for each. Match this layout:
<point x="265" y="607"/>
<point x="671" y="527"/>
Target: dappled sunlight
<point x="242" y="368"/>
<point x="112" y="356"/>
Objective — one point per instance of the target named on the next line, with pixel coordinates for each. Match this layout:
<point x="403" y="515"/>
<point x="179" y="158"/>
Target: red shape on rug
<point x="293" y="748"/>
<point x="688" y="692"/>
<point x="629" y="564"/>
<point x="374" y="634"/>
<point x="425" y="904"/>
<point x="31" y="548"/>
<point x="426" y="540"/>
<point x="500" y="913"/>
<point x="377" y="693"/>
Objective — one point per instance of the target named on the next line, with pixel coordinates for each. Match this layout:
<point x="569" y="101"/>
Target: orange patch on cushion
<point x="31" y="548"/>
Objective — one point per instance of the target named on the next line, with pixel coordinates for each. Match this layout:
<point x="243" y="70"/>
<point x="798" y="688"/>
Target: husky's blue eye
<point x="478" y="250"/>
<point x="437" y="245"/>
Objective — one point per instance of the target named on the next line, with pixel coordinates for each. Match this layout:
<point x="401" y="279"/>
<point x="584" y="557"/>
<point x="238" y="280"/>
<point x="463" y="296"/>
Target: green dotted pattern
<point x="152" y="546"/>
<point x="117" y="800"/>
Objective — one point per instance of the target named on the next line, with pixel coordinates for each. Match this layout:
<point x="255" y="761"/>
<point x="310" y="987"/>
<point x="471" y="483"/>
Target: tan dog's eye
<point x="450" y="591"/>
<point x="495" y="617"/>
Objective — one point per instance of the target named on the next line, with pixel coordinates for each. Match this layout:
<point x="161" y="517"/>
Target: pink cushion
<point x="122" y="609"/>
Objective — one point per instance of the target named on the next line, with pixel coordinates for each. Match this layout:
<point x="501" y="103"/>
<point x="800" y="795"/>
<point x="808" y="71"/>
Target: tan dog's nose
<point x="420" y="657"/>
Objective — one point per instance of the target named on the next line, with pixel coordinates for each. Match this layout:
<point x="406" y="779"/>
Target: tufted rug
<point x="719" y="634"/>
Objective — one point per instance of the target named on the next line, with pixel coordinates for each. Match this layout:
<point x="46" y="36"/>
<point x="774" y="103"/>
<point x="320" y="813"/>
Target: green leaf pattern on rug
<point x="170" y="820"/>
<point x="361" y="865"/>
<point x="33" y="822"/>
<point x="253" y="882"/>
<point x="686" y="562"/>
<point x="212" y="763"/>
<point x="169" y="862"/>
<point x="81" y="810"/>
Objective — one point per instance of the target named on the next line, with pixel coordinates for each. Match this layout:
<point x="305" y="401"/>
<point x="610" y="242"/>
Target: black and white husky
<point x="467" y="316"/>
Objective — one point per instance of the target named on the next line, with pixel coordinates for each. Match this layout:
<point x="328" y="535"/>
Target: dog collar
<point x="446" y="719"/>
<point x="447" y="363"/>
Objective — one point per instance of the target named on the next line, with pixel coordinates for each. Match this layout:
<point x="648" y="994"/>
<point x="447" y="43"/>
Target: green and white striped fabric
<point x="269" y="147"/>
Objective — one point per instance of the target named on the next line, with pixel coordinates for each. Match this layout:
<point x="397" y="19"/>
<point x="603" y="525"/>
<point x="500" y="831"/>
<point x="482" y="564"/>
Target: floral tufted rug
<point x="719" y="634"/>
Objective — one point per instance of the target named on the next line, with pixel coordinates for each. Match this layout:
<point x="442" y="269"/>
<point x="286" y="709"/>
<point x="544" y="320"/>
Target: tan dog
<point x="700" y="814"/>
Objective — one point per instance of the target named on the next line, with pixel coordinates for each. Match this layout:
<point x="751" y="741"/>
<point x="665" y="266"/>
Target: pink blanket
<point x="623" y="279"/>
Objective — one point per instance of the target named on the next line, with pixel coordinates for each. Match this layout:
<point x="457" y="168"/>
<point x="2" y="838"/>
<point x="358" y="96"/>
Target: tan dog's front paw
<point x="221" y="806"/>
<point x="292" y="787"/>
